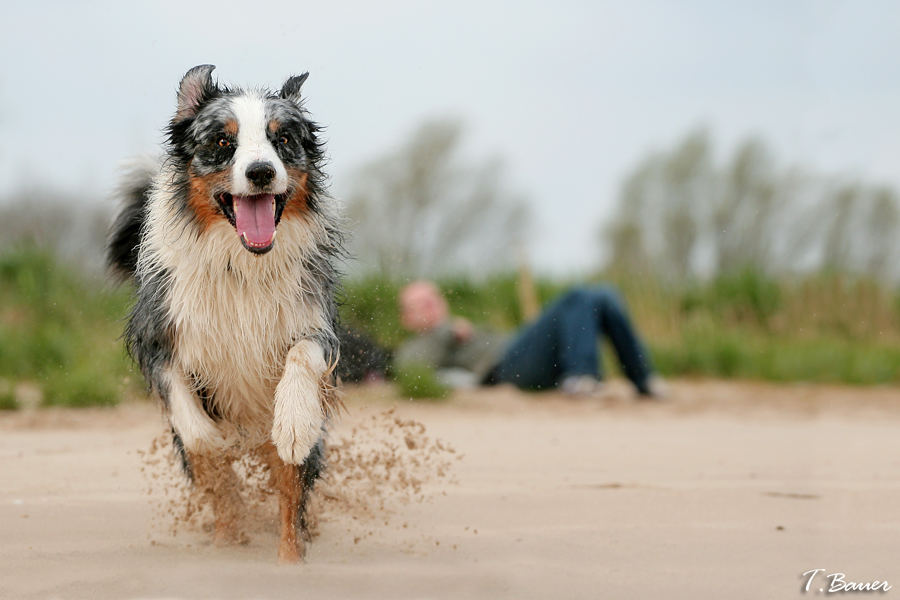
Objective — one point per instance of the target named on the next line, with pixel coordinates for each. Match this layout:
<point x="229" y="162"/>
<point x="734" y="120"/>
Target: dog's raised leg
<point x="299" y="411"/>
<point x="298" y="418"/>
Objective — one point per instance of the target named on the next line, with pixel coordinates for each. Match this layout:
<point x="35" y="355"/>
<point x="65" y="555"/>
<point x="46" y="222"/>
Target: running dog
<point x="233" y="329"/>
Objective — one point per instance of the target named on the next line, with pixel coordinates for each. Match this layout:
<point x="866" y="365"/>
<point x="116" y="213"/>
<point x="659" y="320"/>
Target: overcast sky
<point x="571" y="94"/>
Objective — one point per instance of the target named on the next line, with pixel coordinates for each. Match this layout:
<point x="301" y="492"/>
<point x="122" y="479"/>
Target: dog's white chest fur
<point x="232" y="337"/>
<point x="235" y="315"/>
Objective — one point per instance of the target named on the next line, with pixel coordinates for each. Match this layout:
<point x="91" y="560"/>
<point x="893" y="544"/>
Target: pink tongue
<point x="254" y="218"/>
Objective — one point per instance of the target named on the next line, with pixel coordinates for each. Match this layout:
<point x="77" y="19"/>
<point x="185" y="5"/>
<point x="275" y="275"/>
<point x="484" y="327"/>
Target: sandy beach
<point x="725" y="490"/>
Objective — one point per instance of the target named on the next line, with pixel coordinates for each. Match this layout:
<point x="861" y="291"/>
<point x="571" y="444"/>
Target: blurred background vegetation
<point x="737" y="268"/>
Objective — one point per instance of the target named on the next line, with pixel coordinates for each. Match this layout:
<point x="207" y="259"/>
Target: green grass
<point x="746" y="297"/>
<point x="8" y="400"/>
<point x="419" y="381"/>
<point x="819" y="329"/>
<point x="750" y="355"/>
<point x="61" y="331"/>
<point x="371" y="306"/>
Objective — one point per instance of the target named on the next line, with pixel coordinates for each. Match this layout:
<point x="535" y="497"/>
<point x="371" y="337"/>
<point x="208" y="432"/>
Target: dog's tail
<point x="125" y="233"/>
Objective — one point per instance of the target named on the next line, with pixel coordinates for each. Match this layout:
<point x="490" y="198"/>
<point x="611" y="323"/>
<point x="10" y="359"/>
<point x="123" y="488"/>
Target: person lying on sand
<point x="557" y="350"/>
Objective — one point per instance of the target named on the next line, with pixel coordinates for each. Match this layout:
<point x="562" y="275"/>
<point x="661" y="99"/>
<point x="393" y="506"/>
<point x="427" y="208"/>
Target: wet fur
<point x="238" y="346"/>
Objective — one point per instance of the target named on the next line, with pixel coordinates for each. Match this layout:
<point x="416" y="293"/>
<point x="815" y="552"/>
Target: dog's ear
<point x="291" y="88"/>
<point x="196" y="87"/>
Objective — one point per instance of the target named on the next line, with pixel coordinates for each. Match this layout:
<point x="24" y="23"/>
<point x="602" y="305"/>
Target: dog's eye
<point x="284" y="140"/>
<point x="223" y="142"/>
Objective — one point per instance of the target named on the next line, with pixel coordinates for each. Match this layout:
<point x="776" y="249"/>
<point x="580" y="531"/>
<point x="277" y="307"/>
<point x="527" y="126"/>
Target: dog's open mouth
<point x="254" y="218"/>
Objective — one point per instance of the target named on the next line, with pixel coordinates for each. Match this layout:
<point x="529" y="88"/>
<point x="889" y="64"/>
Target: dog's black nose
<point x="260" y="173"/>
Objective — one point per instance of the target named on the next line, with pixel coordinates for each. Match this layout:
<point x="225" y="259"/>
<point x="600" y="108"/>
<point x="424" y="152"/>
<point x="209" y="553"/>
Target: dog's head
<point x="250" y="157"/>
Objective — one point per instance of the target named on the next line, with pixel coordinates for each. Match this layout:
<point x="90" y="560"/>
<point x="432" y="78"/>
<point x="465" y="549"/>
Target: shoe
<point x="656" y="388"/>
<point x="581" y="385"/>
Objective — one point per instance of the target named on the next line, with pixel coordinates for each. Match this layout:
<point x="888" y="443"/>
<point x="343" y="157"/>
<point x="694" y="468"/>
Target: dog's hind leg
<point x="219" y="486"/>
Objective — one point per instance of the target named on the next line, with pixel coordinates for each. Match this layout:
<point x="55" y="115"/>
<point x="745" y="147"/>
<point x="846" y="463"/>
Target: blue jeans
<point x="563" y="342"/>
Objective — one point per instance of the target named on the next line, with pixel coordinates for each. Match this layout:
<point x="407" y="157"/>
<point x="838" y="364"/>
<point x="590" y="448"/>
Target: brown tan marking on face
<point x="296" y="203"/>
<point x="231" y="127"/>
<point x="273" y="126"/>
<point x="200" y="196"/>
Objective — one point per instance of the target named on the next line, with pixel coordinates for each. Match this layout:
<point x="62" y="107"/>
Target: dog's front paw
<point x="199" y="433"/>
<point x="299" y="416"/>
<point x="294" y="437"/>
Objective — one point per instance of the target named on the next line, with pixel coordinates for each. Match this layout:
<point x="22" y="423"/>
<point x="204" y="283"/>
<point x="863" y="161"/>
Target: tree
<point x="72" y="227"/>
<point x="688" y="181"/>
<point x="664" y="207"/>
<point x="883" y="227"/>
<point x="680" y="215"/>
<point x="743" y="211"/>
<point x="423" y="210"/>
